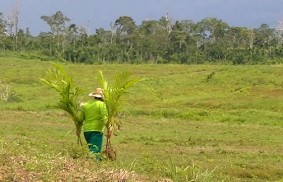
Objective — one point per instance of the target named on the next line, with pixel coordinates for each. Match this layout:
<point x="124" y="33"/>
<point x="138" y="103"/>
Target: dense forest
<point x="153" y="41"/>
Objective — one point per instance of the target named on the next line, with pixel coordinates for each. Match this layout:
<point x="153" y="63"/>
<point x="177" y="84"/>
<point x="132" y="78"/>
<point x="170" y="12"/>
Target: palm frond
<point x="58" y="79"/>
<point x="112" y="95"/>
<point x="122" y="82"/>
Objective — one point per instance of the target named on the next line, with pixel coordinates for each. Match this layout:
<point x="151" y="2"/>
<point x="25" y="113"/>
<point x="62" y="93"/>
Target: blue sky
<point x="100" y="13"/>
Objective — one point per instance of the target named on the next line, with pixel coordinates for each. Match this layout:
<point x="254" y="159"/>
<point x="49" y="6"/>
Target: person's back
<point x="94" y="116"/>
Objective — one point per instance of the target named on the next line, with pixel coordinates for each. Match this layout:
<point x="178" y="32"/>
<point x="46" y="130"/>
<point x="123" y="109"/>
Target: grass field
<point x="182" y="123"/>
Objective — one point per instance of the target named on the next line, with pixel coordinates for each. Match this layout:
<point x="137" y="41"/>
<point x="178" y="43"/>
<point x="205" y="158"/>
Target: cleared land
<point x="184" y="122"/>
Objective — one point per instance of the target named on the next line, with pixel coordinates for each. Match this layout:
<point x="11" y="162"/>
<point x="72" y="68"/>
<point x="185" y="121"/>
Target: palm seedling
<point x="58" y="79"/>
<point x="112" y="94"/>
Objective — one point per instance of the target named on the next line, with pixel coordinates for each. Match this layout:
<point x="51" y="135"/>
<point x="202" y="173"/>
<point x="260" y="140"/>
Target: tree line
<point x="209" y="40"/>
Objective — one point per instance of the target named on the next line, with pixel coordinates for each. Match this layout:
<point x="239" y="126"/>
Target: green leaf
<point x="58" y="79"/>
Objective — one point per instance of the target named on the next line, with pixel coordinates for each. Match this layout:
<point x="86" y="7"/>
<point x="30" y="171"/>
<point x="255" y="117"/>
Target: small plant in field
<point x="120" y="175"/>
<point x="59" y="80"/>
<point x="188" y="173"/>
<point x="7" y="94"/>
<point x="112" y="95"/>
<point x="5" y="90"/>
<point x="210" y="76"/>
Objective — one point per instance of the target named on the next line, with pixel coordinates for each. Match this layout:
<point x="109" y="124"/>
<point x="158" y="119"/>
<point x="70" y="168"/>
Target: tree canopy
<point x="210" y="40"/>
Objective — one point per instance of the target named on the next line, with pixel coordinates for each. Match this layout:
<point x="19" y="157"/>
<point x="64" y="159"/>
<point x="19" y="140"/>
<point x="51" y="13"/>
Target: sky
<point x="94" y="14"/>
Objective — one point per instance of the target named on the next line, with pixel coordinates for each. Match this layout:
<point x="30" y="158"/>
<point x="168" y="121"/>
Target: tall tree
<point x="3" y="32"/>
<point x="125" y="25"/>
<point x="13" y="21"/>
<point x="125" y="28"/>
<point x="57" y="23"/>
<point x="178" y="36"/>
<point x="2" y="24"/>
<point x="153" y="40"/>
<point x="265" y="40"/>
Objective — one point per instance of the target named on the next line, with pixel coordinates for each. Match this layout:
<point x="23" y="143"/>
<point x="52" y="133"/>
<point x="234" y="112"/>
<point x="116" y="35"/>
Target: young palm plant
<point x="58" y="79"/>
<point x="112" y="94"/>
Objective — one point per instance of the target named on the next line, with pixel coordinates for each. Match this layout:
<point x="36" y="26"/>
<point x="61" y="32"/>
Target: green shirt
<point x="94" y="115"/>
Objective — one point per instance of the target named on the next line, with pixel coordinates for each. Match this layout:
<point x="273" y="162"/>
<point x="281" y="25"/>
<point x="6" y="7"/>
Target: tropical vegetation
<point x="113" y="92"/>
<point x="59" y="80"/>
<point x="183" y="123"/>
<point x="209" y="40"/>
<point x="209" y="110"/>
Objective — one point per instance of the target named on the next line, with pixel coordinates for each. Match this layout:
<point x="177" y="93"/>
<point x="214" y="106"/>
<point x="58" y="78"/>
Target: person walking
<point x="94" y="116"/>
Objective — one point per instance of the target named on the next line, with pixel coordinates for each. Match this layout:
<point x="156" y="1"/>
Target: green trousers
<point x="94" y="141"/>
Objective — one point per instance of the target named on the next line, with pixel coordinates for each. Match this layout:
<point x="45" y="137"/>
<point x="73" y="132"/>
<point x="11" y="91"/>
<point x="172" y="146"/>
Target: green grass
<point x="184" y="122"/>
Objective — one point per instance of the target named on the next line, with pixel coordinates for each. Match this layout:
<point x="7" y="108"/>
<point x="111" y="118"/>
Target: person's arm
<point x="81" y="116"/>
<point x="104" y="113"/>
